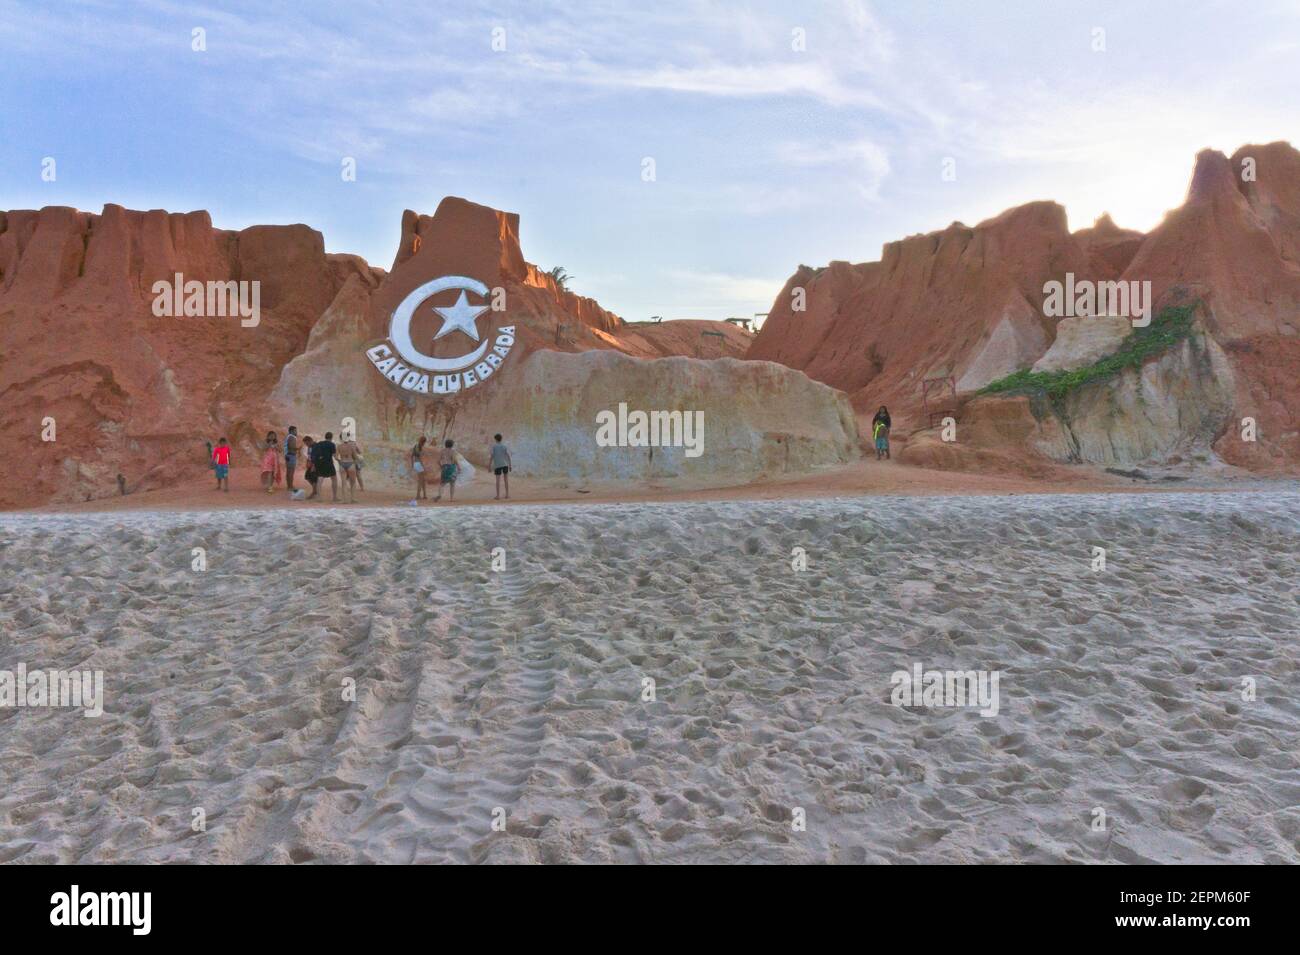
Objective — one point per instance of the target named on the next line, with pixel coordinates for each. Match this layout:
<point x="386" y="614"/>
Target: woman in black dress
<point x="310" y="474"/>
<point x="882" y="417"/>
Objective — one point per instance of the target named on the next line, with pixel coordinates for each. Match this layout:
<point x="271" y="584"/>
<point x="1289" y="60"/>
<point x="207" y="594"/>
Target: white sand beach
<point x="522" y="689"/>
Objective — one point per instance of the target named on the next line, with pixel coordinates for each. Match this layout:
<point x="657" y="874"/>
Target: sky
<point x="778" y="134"/>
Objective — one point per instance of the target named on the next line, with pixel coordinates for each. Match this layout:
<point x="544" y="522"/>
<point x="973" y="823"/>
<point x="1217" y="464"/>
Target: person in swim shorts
<point x="447" y="470"/>
<point x="499" y="457"/>
<point x="221" y="464"/>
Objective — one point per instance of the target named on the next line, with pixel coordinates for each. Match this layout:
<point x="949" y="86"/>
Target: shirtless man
<point x="447" y="470"/>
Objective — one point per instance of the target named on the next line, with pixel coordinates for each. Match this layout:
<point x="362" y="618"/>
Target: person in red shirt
<point x="221" y="462"/>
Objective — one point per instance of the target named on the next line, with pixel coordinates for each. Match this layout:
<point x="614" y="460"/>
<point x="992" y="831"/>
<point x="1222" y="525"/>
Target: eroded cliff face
<point x="483" y="243"/>
<point x="719" y="421"/>
<point x="129" y="391"/>
<point x="568" y="361"/>
<point x="1234" y="244"/>
<point x="1109" y="248"/>
<point x="1172" y="409"/>
<point x="139" y="394"/>
<point x="964" y="302"/>
<point x="968" y="303"/>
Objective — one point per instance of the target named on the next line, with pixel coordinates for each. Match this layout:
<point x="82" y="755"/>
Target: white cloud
<point x="862" y="164"/>
<point x="721" y="289"/>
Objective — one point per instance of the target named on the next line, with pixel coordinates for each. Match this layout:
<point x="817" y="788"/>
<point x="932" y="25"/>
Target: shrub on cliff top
<point x="1166" y="330"/>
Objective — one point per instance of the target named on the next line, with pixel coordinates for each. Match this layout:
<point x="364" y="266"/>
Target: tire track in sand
<point x="510" y="696"/>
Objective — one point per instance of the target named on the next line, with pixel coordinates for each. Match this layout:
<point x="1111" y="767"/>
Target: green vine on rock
<point x="1166" y="330"/>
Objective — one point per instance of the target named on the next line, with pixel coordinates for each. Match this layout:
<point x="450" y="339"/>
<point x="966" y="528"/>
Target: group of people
<point x="280" y="464"/>
<point x="321" y="459"/>
<point x="449" y="468"/>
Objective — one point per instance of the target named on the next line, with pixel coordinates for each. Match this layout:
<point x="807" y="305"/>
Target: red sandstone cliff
<point x="137" y="394"/>
<point x="1235" y="243"/>
<point x="330" y="379"/>
<point x="486" y="245"/>
<point x="130" y="392"/>
<point x="964" y="302"/>
<point x="967" y="302"/>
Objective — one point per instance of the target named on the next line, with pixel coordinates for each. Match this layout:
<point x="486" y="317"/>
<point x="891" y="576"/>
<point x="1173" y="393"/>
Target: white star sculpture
<point x="460" y="317"/>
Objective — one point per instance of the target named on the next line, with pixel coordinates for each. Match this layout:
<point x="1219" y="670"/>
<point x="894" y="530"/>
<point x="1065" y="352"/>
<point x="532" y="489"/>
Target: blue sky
<point x="766" y="156"/>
